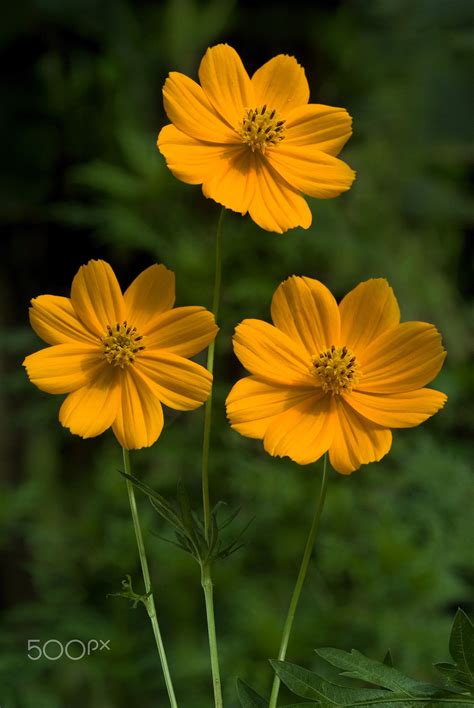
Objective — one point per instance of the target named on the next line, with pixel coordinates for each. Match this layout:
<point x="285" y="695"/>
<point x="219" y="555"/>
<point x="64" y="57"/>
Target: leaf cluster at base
<point x="188" y="527"/>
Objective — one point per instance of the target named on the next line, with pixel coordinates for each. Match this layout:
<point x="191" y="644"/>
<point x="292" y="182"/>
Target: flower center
<point x="120" y="344"/>
<point x="261" y="127"/>
<point x="337" y="370"/>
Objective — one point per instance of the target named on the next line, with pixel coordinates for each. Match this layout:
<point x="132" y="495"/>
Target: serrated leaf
<point x="308" y="684"/>
<point x="248" y="697"/>
<point x="356" y="665"/>
<point x="461" y="648"/>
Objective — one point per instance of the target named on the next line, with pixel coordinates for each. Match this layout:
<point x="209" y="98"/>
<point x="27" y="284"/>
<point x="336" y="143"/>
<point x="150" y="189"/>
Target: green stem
<point x="206" y="579"/>
<point x="150" y="602"/>
<point x="285" y="637"/>
<point x="210" y="368"/>
<point x="207" y="586"/>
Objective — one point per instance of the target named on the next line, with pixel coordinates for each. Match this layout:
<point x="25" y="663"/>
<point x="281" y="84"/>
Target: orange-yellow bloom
<point x="328" y="377"/>
<point x="255" y="144"/>
<point x="119" y="357"/>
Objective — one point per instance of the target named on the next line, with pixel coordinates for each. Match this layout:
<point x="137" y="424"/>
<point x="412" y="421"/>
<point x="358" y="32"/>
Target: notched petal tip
<point x="289" y="56"/>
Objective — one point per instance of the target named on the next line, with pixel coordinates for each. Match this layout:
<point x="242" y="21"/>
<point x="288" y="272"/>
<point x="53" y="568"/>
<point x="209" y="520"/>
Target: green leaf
<point x="248" y="697"/>
<point x="461" y="648"/>
<point x="307" y="684"/>
<point x="160" y="504"/>
<point x="356" y="665"/>
<point x="234" y="545"/>
<point x="387" y="660"/>
<point x="214" y="535"/>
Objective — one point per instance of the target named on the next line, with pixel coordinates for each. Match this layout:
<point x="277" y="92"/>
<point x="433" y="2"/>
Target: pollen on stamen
<point x="120" y="344"/>
<point x="336" y="369"/>
<point x="261" y="128"/>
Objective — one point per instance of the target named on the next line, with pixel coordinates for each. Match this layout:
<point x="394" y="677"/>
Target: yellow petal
<point x="139" y="419"/>
<point x="188" y="107"/>
<point x="306" y="311"/>
<point x="54" y="320"/>
<point x="90" y="410"/>
<point x="191" y="160"/>
<point x="366" y="312"/>
<point x="64" y="367"/>
<point x="276" y="206"/>
<point x="281" y="84"/>
<point x="403" y="358"/>
<point x="304" y="432"/>
<point x="184" y="331"/>
<point x="310" y="170"/>
<point x="226" y="83"/>
<point x="232" y="180"/>
<point x="357" y="441"/>
<point x="398" y="410"/>
<point x="96" y="297"/>
<point x="252" y="404"/>
<point x="151" y="293"/>
<point x="325" y="127"/>
<point x="179" y="383"/>
<point x="269" y="353"/>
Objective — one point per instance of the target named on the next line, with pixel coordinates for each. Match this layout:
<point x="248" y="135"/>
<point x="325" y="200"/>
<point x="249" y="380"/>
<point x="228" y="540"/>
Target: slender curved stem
<point x="206" y="579"/>
<point x="299" y="582"/>
<point x="150" y="602"/>
<point x="207" y="586"/>
<point x="210" y="368"/>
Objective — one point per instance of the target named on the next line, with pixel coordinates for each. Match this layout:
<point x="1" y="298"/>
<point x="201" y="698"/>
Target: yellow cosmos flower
<point x="255" y="144"/>
<point x="334" y="378"/>
<point x="119" y="357"/>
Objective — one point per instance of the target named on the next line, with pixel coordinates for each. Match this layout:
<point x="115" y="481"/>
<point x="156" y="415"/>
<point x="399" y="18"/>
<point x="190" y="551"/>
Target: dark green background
<point x="81" y="109"/>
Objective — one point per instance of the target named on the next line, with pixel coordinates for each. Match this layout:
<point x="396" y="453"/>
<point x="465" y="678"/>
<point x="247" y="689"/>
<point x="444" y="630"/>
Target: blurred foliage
<point x="81" y="100"/>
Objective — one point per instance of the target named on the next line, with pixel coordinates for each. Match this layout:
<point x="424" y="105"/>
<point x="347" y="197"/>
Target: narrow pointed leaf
<point x="214" y="534"/>
<point x="169" y="540"/>
<point x="248" y="697"/>
<point x="161" y="505"/>
<point x="197" y="521"/>
<point x="387" y="660"/>
<point x="170" y="517"/>
<point x="230" y="549"/>
<point x="233" y="515"/>
<point x="461" y="648"/>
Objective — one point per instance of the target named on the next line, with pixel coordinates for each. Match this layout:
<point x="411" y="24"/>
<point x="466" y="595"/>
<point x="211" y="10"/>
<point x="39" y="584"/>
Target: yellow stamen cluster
<point x="336" y="369"/>
<point x="261" y="128"/>
<point x="120" y="344"/>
